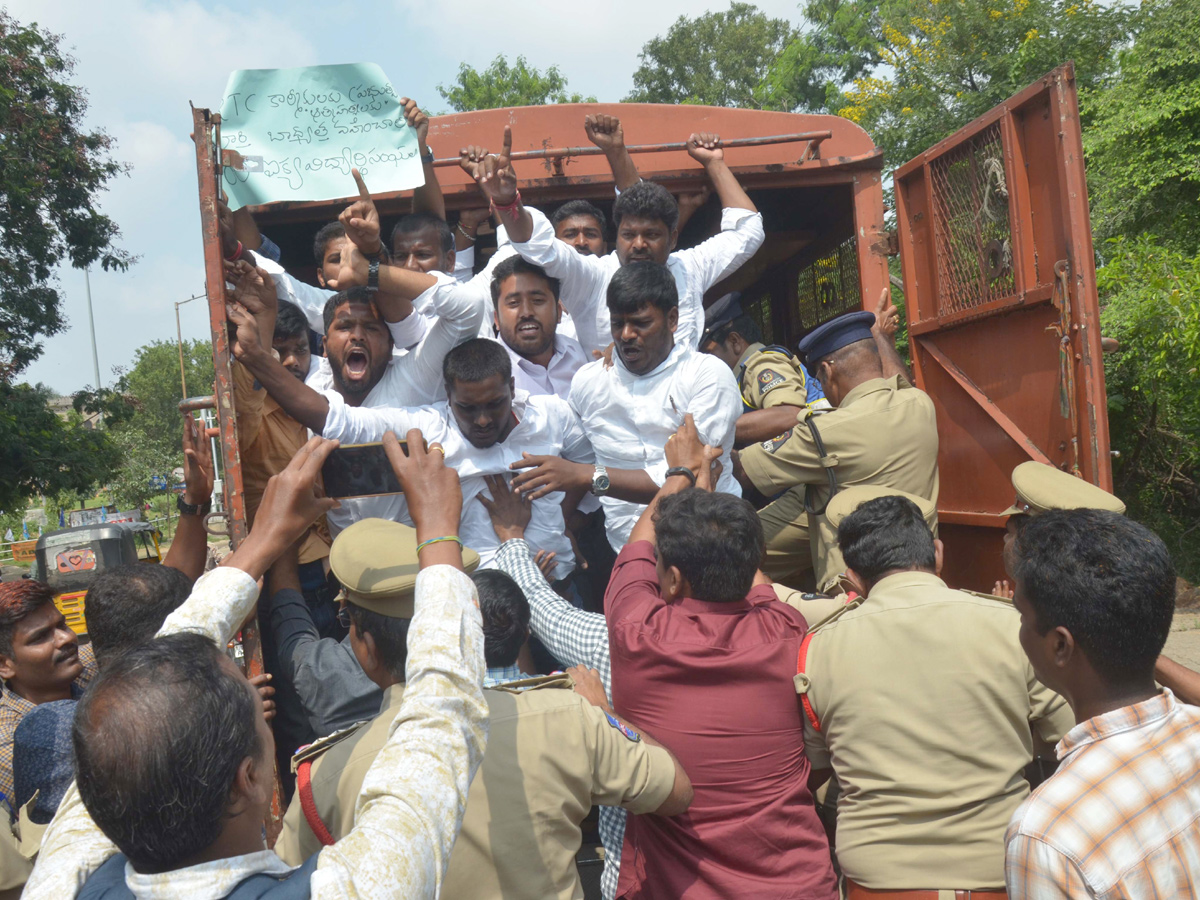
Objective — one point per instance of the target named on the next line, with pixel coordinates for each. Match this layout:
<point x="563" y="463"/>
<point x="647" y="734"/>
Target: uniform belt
<point x="855" y="892"/>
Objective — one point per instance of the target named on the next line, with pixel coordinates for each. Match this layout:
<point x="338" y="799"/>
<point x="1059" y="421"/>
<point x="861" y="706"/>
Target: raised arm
<point x="887" y="320"/>
<point x="189" y="548"/>
<point x="685" y="449"/>
<point x="705" y="148"/>
<point x="428" y="197"/>
<point x="411" y="804"/>
<point x="606" y="133"/>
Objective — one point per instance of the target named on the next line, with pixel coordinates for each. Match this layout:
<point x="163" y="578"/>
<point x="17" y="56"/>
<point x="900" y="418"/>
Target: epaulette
<point x="852" y="601"/>
<point x="320" y="745"/>
<point x="775" y="348"/>
<point x="558" y="680"/>
<point x="1006" y="600"/>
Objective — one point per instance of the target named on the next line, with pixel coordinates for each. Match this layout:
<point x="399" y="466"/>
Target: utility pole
<point x="179" y="340"/>
<point x="87" y="280"/>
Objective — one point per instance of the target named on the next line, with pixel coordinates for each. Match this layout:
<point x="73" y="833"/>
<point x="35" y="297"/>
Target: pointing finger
<point x="362" y="186"/>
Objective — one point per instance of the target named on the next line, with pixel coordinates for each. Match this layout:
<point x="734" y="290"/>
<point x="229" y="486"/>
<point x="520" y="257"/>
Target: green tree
<point x="911" y="72"/>
<point x="43" y="454"/>
<point x="501" y="85"/>
<point x="51" y="173"/>
<point x="717" y="59"/>
<point x="1151" y="304"/>
<point x="1143" y="147"/>
<point x="152" y="386"/>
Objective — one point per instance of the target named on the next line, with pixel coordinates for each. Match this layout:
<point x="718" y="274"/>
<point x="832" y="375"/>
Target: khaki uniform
<point x="551" y="755"/>
<point x="926" y="705"/>
<point x="883" y="433"/>
<point x="769" y="376"/>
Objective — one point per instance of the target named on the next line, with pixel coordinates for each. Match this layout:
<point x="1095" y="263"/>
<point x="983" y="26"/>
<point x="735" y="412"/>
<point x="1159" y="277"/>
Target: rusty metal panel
<point x="999" y="280"/>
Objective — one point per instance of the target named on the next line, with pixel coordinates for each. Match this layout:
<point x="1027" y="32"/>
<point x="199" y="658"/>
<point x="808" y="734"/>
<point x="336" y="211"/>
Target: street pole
<point x="87" y="280"/>
<point x="179" y="340"/>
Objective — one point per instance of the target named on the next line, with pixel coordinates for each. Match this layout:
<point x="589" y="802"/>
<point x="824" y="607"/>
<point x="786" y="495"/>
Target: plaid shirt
<point x="1121" y="817"/>
<point x="13" y="708"/>
<point x="575" y="638"/>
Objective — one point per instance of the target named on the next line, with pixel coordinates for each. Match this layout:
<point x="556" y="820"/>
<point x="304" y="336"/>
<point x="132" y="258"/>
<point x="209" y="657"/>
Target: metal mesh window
<point x="760" y="312"/>
<point x="829" y="286"/>
<point x="972" y="234"/>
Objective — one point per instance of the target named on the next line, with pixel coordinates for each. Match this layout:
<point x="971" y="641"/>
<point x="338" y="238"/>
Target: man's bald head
<point x="847" y="367"/>
<point x="159" y="738"/>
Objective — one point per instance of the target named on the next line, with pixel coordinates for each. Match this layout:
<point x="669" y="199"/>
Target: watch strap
<point x="684" y="471"/>
<point x="191" y="509"/>
<point x="373" y="275"/>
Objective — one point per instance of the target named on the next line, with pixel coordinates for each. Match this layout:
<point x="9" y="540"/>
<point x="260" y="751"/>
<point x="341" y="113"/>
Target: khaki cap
<point x="848" y="499"/>
<point x="375" y="560"/>
<point x="1041" y="488"/>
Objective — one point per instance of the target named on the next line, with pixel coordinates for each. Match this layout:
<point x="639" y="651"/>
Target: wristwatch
<point x="684" y="471"/>
<point x="427" y="156"/>
<point x="189" y="509"/>
<point x="600" y="482"/>
<point x="373" y="275"/>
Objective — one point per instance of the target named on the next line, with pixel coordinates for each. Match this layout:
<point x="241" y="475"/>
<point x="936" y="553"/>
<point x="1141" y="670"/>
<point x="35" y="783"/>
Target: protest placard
<point x="300" y="131"/>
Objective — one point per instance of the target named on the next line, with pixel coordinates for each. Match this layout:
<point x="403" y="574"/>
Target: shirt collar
<point x="901" y="580"/>
<point x="210" y="879"/>
<point x="497" y="675"/>
<point x="672" y="360"/>
<point x="750" y="351"/>
<point x="758" y="594"/>
<point x="871" y="386"/>
<point x="1118" y="721"/>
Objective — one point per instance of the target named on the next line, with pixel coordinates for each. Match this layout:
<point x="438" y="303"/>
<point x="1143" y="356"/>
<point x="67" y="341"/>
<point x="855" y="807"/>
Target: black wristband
<point x="373" y="275"/>
<point x="187" y="509"/>
<point x="682" y="470"/>
<point x="374" y="257"/>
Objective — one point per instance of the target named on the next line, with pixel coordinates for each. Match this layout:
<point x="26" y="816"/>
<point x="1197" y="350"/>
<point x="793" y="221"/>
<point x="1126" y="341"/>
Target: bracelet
<point x="437" y="540"/>
<point x="511" y="207"/>
<point x="237" y="254"/>
<point x="377" y="256"/>
<point x="682" y="470"/>
<point x="470" y="237"/>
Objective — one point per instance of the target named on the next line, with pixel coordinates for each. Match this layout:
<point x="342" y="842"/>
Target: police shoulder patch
<point x="768" y="380"/>
<point x="776" y="442"/>
<point x="622" y="727"/>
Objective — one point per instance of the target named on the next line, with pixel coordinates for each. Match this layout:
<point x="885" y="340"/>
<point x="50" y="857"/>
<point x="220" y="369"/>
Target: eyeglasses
<point x="343" y="616"/>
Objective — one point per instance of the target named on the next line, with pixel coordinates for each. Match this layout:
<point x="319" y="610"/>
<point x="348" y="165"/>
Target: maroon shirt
<point x="713" y="682"/>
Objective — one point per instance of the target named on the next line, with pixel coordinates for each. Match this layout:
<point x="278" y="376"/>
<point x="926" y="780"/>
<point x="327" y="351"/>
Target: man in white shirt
<point x="647" y="228"/>
<point x="527" y="317"/>
<point x="631" y="409"/>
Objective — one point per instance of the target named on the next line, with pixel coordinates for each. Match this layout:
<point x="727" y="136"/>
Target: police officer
<point x="551" y="753"/>
<point x="769" y="377"/>
<point x="921" y="701"/>
<point x="881" y="431"/>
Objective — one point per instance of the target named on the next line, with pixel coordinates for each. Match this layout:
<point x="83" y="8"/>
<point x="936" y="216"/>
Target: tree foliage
<point x="51" y="173"/>
<point x="501" y="85"/>
<point x="1151" y="304"/>
<point x="717" y="59"/>
<point x="41" y="453"/>
<point x="1144" y="144"/>
<point x="152" y="386"/>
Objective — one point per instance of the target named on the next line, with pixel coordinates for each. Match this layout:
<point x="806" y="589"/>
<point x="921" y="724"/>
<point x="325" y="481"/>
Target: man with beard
<point x="647" y="223"/>
<point x="40" y="662"/>
<point x="629" y="410"/>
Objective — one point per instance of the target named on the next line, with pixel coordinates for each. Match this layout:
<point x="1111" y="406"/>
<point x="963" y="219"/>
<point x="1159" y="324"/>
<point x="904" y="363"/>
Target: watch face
<point x="600" y="483"/>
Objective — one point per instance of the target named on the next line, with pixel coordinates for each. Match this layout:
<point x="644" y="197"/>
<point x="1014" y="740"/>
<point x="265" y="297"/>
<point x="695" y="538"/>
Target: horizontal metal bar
<point x="813" y="137"/>
<point x="195" y="404"/>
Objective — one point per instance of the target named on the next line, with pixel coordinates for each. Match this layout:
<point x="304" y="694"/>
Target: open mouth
<point x="357" y="362"/>
<point x="529" y="329"/>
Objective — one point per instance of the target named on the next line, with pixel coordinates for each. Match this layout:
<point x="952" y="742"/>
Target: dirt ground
<point x="1183" y="644"/>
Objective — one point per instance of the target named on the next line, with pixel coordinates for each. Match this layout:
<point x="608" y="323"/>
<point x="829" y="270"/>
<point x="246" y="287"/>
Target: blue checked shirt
<point x="575" y="638"/>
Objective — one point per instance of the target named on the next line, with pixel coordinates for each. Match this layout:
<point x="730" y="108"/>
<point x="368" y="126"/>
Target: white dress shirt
<point x="553" y="378"/>
<point x="412" y="800"/>
<point x="545" y="427"/>
<point x="628" y="418"/>
<point x="585" y="278"/>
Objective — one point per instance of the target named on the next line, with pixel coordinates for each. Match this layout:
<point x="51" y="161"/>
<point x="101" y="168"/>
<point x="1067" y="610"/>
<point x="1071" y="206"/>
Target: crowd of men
<point x="638" y="560"/>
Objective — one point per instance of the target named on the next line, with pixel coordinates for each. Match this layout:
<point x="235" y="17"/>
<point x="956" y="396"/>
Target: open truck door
<point x="1003" y="316"/>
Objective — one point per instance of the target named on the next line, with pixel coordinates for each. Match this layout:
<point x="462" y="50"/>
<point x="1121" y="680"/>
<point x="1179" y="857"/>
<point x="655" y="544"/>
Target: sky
<point x="141" y="62"/>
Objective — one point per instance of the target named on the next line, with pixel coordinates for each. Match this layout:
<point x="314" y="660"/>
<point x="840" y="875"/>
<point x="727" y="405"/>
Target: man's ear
<point x="939" y="554"/>
<point x="451" y="257"/>
<point x="7" y="668"/>
<point x="320" y="276"/>
<point x="674" y="238"/>
<point x="673" y="319"/>
<point x="558" y="311"/>
<point x="673" y="584"/>
<point x="370" y="652"/>
<point x="861" y="585"/>
<point x="246" y="785"/>
<point x="1062" y="646"/>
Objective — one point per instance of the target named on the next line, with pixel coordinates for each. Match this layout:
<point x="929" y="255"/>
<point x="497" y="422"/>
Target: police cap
<point x="848" y="499"/>
<point x="834" y="335"/>
<point x="723" y="311"/>
<point x="1041" y="488"/>
<point x="375" y="560"/>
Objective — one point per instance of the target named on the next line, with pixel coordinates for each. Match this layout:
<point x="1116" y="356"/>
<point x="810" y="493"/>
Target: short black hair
<point x="1106" y="579"/>
<point x="290" y="321"/>
<point x="581" y="208"/>
<point x="516" y="265"/>
<point x="331" y="232"/>
<point x="505" y="612"/>
<point x="647" y="200"/>
<point x="476" y="360"/>
<point x="17" y="600"/>
<point x="159" y="737"/>
<point x="415" y="222"/>
<point x="126" y="606"/>
<point x="715" y="539"/>
<point x="744" y="325"/>
<point x="887" y="534"/>
<point x="389" y="634"/>
<point x="640" y="284"/>
<point x="361" y="295"/>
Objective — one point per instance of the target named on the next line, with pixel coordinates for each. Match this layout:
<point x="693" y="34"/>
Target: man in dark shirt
<point x="703" y="655"/>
